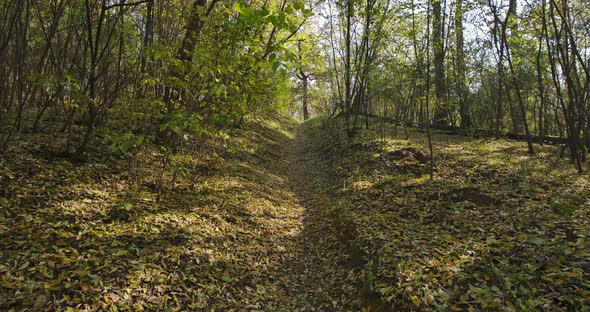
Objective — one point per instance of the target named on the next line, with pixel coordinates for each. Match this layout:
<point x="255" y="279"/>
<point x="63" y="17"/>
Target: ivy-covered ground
<point x="288" y="217"/>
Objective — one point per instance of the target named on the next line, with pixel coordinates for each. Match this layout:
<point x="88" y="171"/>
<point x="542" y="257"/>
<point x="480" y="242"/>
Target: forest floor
<point x="290" y="217"/>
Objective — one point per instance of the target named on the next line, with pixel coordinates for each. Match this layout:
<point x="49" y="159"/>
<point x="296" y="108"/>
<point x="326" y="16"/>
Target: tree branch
<point x="125" y="4"/>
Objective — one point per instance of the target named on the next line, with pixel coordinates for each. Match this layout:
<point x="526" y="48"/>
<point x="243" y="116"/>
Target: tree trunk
<point x="509" y="20"/>
<point x="460" y="66"/>
<point x="304" y="101"/>
<point x="347" y="73"/>
<point x="427" y="119"/>
<point x="541" y="89"/>
<point x="440" y="107"/>
<point x="304" y="83"/>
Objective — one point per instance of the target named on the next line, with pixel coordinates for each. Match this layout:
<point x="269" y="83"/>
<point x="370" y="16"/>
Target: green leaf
<point x="238" y="7"/>
<point x="275" y="65"/>
<point x="535" y="240"/>
<point x="299" y="5"/>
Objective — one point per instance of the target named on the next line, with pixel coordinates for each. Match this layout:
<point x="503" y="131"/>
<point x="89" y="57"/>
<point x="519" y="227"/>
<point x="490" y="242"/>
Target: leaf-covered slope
<point x="93" y="236"/>
<point x="274" y="219"/>
<point x="496" y="229"/>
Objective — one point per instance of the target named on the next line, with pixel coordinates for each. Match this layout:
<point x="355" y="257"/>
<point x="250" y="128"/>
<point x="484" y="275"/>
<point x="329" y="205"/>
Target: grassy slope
<point x="92" y="235"/>
<point x="496" y="229"/>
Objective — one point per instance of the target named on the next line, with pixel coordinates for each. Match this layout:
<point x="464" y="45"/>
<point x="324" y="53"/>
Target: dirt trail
<point x="269" y="224"/>
<point x="318" y="271"/>
<point x="258" y="232"/>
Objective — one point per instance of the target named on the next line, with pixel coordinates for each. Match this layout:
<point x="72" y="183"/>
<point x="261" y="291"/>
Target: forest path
<point x="259" y="231"/>
<point x="318" y="271"/>
<point x="293" y="217"/>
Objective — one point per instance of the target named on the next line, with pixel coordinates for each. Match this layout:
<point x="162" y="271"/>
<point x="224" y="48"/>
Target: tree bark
<point x="460" y="67"/>
<point x="347" y="69"/>
<point x="440" y="108"/>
